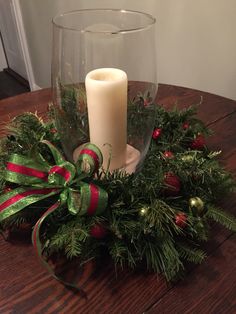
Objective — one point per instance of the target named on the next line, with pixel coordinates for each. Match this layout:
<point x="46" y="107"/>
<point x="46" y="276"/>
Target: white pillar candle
<point x="106" y="91"/>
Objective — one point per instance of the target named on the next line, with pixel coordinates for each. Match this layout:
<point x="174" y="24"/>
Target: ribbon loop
<point x="93" y="199"/>
<point x="90" y="159"/>
<point x="74" y="201"/>
<point x="57" y="155"/>
<point x="62" y="174"/>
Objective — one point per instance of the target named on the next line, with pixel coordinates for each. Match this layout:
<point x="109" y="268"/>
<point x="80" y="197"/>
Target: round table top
<point x="26" y="287"/>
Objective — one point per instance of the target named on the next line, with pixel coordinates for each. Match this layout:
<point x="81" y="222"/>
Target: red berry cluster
<point x="199" y="142"/>
<point x="185" y="125"/>
<point x="173" y="184"/>
<point x="168" y="154"/>
<point x="181" y="220"/>
<point x="98" y="231"/>
<point x="156" y="133"/>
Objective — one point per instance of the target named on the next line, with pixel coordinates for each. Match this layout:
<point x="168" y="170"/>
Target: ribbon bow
<point x="39" y="180"/>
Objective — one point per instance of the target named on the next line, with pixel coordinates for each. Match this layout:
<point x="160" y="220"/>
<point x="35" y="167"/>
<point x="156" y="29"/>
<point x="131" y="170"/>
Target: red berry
<point x="156" y="133"/>
<point x="168" y="154"/>
<point x="185" y="125"/>
<point x="53" y="130"/>
<point x="172" y="183"/>
<point x="98" y="231"/>
<point x="145" y="103"/>
<point x="199" y="142"/>
<point x="181" y="220"/>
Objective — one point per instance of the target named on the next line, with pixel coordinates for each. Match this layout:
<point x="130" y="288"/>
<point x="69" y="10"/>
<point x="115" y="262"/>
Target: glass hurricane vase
<point x="104" y="84"/>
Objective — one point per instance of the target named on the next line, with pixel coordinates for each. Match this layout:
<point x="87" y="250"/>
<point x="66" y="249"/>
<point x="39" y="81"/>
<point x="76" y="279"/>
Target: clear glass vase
<point x="104" y="84"/>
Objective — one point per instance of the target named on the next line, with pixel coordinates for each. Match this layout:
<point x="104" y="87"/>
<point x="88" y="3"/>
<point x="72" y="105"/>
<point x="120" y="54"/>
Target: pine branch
<point x="161" y="216"/>
<point x="27" y="129"/>
<point x="73" y="248"/>
<point x="222" y="218"/>
<point x="173" y="264"/>
<point x="13" y="222"/>
<point x="153" y="259"/>
<point x="163" y="257"/>
<point x="193" y="255"/>
<point x="69" y="238"/>
<point x="122" y="254"/>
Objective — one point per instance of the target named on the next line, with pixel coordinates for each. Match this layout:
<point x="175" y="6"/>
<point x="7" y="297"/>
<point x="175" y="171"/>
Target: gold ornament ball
<point x="196" y="205"/>
<point x="143" y="211"/>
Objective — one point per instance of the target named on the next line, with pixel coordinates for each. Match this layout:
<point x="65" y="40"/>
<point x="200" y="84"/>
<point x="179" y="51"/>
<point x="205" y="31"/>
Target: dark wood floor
<point x="10" y="86"/>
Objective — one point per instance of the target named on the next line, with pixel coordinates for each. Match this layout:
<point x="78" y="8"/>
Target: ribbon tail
<point x="39" y="248"/>
<point x="19" y="198"/>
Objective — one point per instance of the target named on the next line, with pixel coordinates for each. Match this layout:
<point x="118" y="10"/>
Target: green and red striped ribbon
<point x="90" y="159"/>
<point x="17" y="199"/>
<point x="38" y="180"/>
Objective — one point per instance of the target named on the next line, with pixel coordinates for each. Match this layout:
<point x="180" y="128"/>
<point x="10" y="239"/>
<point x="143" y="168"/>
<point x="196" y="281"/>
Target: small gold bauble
<point x="196" y="205"/>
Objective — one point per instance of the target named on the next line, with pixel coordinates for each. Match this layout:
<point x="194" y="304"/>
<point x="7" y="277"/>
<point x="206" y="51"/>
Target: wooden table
<point x="26" y="287"/>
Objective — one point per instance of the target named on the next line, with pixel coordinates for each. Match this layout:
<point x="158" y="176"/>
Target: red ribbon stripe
<point x="92" y="154"/>
<point x="61" y="171"/>
<point x="27" y="171"/>
<point x="20" y="196"/>
<point x="94" y="192"/>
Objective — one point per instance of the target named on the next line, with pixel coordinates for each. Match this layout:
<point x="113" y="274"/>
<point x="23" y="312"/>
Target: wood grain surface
<point x="26" y="287"/>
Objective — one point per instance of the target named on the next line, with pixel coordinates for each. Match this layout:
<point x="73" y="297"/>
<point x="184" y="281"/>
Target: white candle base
<point x="131" y="161"/>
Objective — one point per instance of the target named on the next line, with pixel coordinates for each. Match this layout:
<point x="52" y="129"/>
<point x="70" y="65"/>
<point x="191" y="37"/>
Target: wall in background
<point x="3" y="62"/>
<point x="37" y="17"/>
<point x="196" y="44"/>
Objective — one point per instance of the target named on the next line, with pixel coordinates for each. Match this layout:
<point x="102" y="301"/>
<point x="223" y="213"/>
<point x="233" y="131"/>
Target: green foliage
<point x="71" y="116"/>
<point x="139" y="114"/>
<point x="190" y="254"/>
<point x="70" y="236"/>
<point x="222" y="218"/>
<point x="163" y="257"/>
<point x="24" y="135"/>
<point x="174" y="137"/>
<point x="141" y="218"/>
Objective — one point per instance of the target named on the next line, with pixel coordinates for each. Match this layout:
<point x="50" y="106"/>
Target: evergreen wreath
<point x="156" y="218"/>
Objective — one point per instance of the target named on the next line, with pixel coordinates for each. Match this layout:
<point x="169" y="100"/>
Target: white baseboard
<point x="35" y="87"/>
